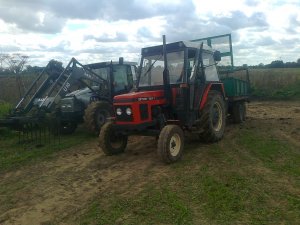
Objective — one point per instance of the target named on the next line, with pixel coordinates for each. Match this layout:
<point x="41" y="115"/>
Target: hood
<point x="140" y="96"/>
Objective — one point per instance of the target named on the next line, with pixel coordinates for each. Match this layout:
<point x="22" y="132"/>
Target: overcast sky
<point x="100" y="30"/>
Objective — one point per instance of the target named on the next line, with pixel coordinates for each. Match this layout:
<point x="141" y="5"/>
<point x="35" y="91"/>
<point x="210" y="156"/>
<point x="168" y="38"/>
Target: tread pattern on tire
<point x="89" y="114"/>
<point x="209" y="134"/>
<point x="163" y="143"/>
<point x="236" y="114"/>
<point x="104" y="140"/>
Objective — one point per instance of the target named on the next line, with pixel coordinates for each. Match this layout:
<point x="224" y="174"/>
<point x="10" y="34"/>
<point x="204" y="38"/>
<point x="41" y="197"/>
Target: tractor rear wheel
<point x="239" y="112"/>
<point x="212" y="120"/>
<point x="96" y="115"/>
<point x="111" y="142"/>
<point x="170" y="143"/>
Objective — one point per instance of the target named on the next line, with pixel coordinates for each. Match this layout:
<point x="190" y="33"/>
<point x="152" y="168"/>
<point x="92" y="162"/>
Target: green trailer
<point x="237" y="89"/>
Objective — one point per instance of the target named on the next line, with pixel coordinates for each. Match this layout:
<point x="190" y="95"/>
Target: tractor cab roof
<point x="175" y="46"/>
<point x="107" y="64"/>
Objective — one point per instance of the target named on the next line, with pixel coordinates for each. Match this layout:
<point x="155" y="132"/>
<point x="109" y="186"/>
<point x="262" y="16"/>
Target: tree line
<point x="16" y="65"/>
<point x="278" y="64"/>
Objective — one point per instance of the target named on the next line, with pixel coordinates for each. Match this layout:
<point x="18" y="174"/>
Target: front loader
<point x="66" y="93"/>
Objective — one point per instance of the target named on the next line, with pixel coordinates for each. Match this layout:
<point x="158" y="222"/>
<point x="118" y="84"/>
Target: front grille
<point x="124" y="116"/>
<point x="144" y="111"/>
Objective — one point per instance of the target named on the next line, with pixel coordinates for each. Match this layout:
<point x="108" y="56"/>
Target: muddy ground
<point x="52" y="191"/>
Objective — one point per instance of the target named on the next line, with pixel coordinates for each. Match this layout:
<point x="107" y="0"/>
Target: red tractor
<point x="178" y="91"/>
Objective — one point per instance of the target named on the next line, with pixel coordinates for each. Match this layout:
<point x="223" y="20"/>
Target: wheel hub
<point x="175" y="145"/>
<point x="101" y="118"/>
<point x="217" y="116"/>
<point x="116" y="141"/>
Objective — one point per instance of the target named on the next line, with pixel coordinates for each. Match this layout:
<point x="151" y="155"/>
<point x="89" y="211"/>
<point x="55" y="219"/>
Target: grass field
<point x="252" y="176"/>
<point x="251" y="179"/>
<point x="14" y="155"/>
<point x="4" y="108"/>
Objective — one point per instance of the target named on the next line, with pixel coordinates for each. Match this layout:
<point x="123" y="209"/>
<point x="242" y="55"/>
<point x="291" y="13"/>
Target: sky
<point x="103" y="30"/>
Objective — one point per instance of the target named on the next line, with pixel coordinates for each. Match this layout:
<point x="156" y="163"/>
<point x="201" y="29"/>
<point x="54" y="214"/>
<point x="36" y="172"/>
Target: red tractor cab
<point x="178" y="90"/>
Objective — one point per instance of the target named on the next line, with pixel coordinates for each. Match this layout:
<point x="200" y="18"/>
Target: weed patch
<point x="152" y="206"/>
<point x="4" y="108"/>
<point x="13" y="154"/>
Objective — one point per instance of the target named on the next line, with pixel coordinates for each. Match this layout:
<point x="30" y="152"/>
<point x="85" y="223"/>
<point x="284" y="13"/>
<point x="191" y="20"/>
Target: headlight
<point x="118" y="111"/>
<point x="128" y="111"/>
<point x="66" y="106"/>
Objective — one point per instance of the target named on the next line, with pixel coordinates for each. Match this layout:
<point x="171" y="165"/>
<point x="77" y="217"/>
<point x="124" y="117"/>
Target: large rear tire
<point x="212" y="120"/>
<point x="110" y="142"/>
<point x="96" y="115"/>
<point x="239" y="112"/>
<point x="170" y="143"/>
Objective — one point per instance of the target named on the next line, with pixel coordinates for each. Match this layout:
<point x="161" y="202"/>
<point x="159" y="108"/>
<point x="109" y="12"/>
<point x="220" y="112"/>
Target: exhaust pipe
<point x="166" y="76"/>
<point x="121" y="60"/>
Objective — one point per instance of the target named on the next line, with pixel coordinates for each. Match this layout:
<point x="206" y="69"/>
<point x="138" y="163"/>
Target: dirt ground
<point x="50" y="191"/>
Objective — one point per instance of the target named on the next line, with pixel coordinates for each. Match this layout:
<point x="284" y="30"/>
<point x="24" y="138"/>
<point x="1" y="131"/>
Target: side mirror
<point x="217" y="56"/>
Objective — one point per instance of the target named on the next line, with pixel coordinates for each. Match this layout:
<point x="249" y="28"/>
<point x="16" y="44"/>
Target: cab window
<point x="210" y="68"/>
<point x="123" y="78"/>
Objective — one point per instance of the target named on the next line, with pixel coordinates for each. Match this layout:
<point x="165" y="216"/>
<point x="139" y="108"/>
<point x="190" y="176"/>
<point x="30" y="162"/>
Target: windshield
<point x="122" y="77"/>
<point x="153" y="67"/>
<point x="102" y="72"/>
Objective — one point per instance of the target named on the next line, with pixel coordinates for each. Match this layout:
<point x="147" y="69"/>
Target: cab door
<point x="197" y="80"/>
<point x="122" y="79"/>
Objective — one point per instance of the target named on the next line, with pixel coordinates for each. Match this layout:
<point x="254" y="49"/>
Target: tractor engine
<point x="140" y="109"/>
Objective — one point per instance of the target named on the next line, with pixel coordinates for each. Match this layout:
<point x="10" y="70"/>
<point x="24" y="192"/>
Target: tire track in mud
<point x="55" y="189"/>
<point x="281" y="118"/>
<point x="52" y="190"/>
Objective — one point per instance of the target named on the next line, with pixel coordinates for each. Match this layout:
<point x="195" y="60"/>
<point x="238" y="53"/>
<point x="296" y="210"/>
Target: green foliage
<point x="4" y="108"/>
<point x="275" y="83"/>
<point x="289" y="92"/>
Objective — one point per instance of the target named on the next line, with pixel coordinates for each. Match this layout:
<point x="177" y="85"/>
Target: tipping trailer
<point x="179" y="90"/>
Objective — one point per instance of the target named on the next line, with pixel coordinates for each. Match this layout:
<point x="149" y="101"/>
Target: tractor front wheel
<point x="111" y="142"/>
<point x="170" y="143"/>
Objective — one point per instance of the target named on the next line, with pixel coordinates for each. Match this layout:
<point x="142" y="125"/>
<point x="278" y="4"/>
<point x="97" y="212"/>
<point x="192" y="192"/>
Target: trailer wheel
<point x="110" y="142"/>
<point x="67" y="127"/>
<point x="212" y="120"/>
<point x="170" y="143"/>
<point x="96" y="115"/>
<point x="239" y="112"/>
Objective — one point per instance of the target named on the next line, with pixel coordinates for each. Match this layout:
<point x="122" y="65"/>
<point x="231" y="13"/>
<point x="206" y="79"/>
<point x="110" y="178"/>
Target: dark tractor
<point x="93" y="105"/>
<point x="178" y="91"/>
<point x="72" y="95"/>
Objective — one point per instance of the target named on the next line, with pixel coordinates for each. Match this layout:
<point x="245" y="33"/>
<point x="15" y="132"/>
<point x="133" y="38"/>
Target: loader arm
<point x="74" y="73"/>
<point x="53" y="83"/>
<point x="38" y="87"/>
